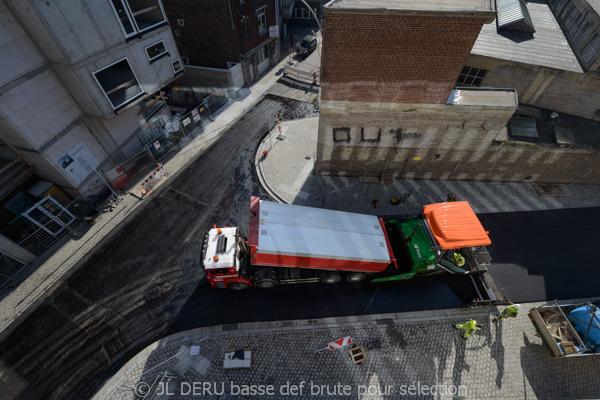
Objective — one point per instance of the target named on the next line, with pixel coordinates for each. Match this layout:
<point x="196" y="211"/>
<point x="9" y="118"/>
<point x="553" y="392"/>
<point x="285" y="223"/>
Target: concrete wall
<point x="50" y="102"/>
<point x="379" y="137"/>
<point x="81" y="38"/>
<point x="563" y="91"/>
<point x="440" y="142"/>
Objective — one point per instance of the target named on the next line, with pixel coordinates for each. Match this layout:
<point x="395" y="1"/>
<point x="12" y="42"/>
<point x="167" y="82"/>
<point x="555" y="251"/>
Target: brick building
<point x="226" y="42"/>
<point x="387" y="88"/>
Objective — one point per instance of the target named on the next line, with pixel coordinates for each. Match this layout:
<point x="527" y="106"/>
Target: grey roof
<point x="512" y="11"/>
<point x="595" y="5"/>
<point x="548" y="48"/>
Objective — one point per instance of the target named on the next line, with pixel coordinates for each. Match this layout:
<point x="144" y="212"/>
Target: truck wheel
<point x="238" y="286"/>
<point x="265" y="279"/>
<point x="356" y="277"/>
<point x="330" y="277"/>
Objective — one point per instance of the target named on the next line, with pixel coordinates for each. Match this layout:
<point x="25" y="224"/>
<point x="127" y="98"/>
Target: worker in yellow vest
<point x="469" y="327"/>
<point x="509" y="312"/>
<point x="458" y="259"/>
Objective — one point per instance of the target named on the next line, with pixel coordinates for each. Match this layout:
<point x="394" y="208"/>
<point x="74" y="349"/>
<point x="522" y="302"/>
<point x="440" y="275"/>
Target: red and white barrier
<point x="338" y="344"/>
<point x="153" y="179"/>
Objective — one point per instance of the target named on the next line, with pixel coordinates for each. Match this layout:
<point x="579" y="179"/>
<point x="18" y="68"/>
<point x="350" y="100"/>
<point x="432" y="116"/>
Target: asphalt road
<point x="308" y="301"/>
<point x="546" y="255"/>
<point x="126" y="296"/>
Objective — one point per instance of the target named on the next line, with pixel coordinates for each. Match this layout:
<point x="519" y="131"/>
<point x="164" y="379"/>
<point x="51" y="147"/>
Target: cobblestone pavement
<point x="421" y="356"/>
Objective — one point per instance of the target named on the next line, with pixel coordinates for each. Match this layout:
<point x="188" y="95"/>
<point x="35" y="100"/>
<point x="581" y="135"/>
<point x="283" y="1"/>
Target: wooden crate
<point x="358" y="354"/>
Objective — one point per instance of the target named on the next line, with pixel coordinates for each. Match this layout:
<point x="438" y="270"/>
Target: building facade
<point x="388" y="103"/>
<point x="557" y="67"/>
<point x="227" y="42"/>
<point x="74" y="83"/>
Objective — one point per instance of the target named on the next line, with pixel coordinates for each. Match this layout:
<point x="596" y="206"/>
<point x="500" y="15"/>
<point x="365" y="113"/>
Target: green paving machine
<point x="446" y="237"/>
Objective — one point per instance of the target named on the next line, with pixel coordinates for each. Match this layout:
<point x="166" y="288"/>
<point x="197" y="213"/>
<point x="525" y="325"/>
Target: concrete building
<point x="557" y="67"/>
<point x="78" y="82"/>
<point x="388" y="104"/>
<point x="225" y="43"/>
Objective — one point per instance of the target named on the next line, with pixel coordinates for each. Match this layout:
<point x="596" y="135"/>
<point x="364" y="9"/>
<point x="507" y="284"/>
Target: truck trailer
<point x="289" y="244"/>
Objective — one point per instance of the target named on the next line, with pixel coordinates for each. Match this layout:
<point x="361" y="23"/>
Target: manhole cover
<point x="551" y="189"/>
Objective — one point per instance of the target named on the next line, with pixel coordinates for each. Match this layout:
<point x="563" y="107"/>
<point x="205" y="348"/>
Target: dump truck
<point x="289" y="244"/>
<point x="568" y="330"/>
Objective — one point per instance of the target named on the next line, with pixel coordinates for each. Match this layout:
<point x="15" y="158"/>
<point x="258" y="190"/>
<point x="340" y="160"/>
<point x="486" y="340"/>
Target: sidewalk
<point x="421" y="356"/>
<point x="289" y="176"/>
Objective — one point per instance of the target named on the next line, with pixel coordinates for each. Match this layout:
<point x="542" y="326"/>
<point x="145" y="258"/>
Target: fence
<point x="48" y="223"/>
<point x="202" y="112"/>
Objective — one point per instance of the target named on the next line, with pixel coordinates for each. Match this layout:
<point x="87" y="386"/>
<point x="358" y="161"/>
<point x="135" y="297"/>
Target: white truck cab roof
<point x="222" y="245"/>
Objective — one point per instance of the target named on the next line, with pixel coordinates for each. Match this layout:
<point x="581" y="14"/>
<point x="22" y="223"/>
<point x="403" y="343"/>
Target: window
<point x="119" y="83"/>
<point x="261" y="14"/>
<point x="156" y="51"/>
<point x="471" y="76"/>
<point x="177" y="67"/>
<point x="138" y="16"/>
<point x="245" y="21"/>
<point x="302" y="13"/>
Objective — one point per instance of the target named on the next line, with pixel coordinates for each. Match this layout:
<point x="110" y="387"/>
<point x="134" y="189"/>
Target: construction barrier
<point x="153" y="179"/>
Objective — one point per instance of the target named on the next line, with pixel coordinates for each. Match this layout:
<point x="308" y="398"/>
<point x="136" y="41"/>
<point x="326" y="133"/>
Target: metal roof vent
<point x="523" y="127"/>
<point x="513" y="17"/>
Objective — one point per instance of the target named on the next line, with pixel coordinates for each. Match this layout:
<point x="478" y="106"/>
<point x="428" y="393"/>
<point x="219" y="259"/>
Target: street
<point x="126" y="295"/>
<point x="147" y="282"/>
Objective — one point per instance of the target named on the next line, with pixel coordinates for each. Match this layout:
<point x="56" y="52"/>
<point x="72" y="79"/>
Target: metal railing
<point x="40" y="239"/>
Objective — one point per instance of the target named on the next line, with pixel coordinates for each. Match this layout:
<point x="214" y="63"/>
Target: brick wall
<point x="208" y="38"/>
<point x="394" y="58"/>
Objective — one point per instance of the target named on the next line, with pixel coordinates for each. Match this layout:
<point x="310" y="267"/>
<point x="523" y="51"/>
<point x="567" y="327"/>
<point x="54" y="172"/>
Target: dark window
<point x="261" y="14"/>
<point x="177" y="67"/>
<point x="471" y="76"/>
<point x="156" y="50"/>
<point x="119" y="83"/>
<point x="138" y="16"/>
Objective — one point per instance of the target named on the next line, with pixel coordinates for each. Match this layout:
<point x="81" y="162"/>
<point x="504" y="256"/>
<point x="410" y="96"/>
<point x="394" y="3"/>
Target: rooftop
<point x="548" y="48"/>
<point x="595" y="5"/>
<point x="468" y="6"/>
<point x="483" y="97"/>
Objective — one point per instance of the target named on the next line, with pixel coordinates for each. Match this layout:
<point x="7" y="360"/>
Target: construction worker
<point x="509" y="312"/>
<point x="458" y="259"/>
<point x="469" y="327"/>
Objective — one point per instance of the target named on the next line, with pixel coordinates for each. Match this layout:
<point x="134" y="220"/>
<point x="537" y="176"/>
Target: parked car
<point x="307" y="46"/>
